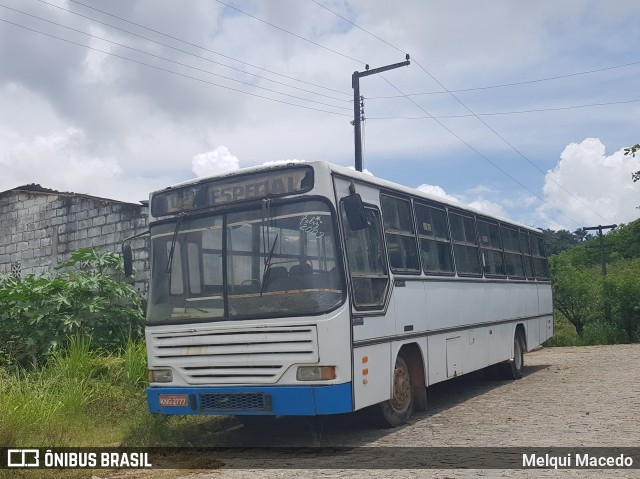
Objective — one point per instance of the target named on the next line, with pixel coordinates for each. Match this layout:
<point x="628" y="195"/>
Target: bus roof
<point x="356" y="175"/>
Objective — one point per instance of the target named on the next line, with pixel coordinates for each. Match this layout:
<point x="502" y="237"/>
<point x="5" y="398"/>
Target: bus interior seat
<point x="274" y="274"/>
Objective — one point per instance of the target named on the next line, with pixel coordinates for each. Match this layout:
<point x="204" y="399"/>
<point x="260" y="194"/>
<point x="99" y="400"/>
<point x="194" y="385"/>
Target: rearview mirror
<point x="127" y="257"/>
<point x="356" y="214"/>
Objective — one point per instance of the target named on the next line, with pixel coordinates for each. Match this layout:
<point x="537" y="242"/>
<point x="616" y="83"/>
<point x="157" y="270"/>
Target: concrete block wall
<point x="40" y="230"/>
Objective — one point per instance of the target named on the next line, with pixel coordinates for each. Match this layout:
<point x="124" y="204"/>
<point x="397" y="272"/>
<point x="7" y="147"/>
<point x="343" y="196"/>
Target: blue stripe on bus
<point x="284" y="400"/>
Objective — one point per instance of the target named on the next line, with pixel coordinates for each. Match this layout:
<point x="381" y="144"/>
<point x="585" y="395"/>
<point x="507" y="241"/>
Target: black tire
<point x="513" y="368"/>
<point x="397" y="410"/>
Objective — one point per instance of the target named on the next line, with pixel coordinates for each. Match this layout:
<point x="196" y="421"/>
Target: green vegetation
<point x="73" y="365"/>
<point x="87" y="297"/>
<point x="590" y="308"/>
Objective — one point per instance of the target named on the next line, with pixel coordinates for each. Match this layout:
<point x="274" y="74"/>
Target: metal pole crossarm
<point x="603" y="260"/>
<point x="357" y="119"/>
<point x="599" y="227"/>
<point x="385" y="68"/>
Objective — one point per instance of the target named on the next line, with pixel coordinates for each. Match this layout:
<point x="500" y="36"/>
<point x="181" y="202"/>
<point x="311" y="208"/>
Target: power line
<point x="197" y="46"/>
<point x="289" y="32"/>
<point x="496" y="113"/>
<point x="509" y="144"/>
<point x="481" y="120"/>
<point x="482" y="155"/>
<point x="525" y="82"/>
<point x="171" y="71"/>
<point x="399" y="91"/>
<point x="174" y="61"/>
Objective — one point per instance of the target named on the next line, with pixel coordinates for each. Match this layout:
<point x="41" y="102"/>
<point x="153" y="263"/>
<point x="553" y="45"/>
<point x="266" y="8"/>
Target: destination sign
<point x="217" y="192"/>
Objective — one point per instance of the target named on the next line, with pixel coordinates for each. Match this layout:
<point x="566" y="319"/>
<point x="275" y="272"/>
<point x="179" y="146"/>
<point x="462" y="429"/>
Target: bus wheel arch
<point x="409" y="391"/>
<point x="396" y="410"/>
<point x="412" y="355"/>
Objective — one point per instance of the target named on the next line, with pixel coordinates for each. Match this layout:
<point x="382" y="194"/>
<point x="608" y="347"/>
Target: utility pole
<point x="355" y="83"/>
<point x="602" y="258"/>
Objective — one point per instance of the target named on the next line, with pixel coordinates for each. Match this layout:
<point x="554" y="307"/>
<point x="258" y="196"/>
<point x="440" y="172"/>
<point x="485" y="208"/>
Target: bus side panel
<point x="371" y="373"/>
<point x="473" y="305"/>
<point x="409" y="301"/>
<point x="496" y="301"/>
<point x="545" y="302"/>
<point x="437" y="361"/>
<point x="523" y="298"/>
<point x="442" y="304"/>
<point x="475" y="347"/>
<point x="501" y="342"/>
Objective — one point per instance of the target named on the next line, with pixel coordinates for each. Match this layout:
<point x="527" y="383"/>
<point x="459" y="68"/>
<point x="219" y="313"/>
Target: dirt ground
<point x="569" y="397"/>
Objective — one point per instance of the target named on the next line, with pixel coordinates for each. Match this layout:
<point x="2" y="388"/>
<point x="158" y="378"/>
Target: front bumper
<point x="245" y="400"/>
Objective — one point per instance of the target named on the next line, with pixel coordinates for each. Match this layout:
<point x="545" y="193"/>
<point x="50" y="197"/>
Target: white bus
<point x="313" y="289"/>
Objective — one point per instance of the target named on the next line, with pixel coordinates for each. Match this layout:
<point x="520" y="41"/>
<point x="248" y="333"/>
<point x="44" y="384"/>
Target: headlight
<point x="160" y="375"/>
<point x="316" y="373"/>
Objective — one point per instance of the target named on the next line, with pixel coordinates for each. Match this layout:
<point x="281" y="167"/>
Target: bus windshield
<point x="274" y="260"/>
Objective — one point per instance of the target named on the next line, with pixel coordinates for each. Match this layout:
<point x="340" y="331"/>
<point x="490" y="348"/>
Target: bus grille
<point x="226" y="357"/>
<point x="235" y="402"/>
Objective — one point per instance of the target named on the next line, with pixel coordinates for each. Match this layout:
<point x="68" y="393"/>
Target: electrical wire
<point x="174" y="61"/>
<point x="196" y="46"/>
<point x="496" y="113"/>
<point x="171" y="71"/>
<point x="525" y="82"/>
<point x="476" y="116"/>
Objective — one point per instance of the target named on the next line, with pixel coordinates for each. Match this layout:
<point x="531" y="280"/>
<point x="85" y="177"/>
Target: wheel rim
<point x="401" y="388"/>
<point x="517" y="354"/>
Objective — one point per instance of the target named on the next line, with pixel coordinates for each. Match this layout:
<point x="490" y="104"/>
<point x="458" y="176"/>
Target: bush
<point x="87" y="297"/>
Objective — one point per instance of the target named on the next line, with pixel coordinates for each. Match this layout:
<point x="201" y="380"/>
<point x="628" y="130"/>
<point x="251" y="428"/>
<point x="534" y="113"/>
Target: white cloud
<point x="488" y="207"/>
<point x="57" y="160"/>
<point x="437" y="191"/>
<point x="601" y="187"/>
<point x="214" y="162"/>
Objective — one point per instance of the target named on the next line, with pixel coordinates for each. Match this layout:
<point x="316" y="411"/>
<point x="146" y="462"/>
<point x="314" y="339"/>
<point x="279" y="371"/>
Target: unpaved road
<point x="569" y="397"/>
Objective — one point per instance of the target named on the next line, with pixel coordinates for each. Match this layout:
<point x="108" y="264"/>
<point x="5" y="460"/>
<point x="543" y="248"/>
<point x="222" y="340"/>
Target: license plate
<point x="173" y="400"/>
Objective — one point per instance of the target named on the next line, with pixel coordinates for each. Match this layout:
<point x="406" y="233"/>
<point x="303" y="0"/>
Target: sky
<point x="519" y="109"/>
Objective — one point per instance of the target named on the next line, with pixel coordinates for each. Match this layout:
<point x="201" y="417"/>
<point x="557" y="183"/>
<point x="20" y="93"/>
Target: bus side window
<point x="514" y="259"/>
<point x="435" y="243"/>
<point x="367" y="265"/>
<point x="465" y="246"/>
<point x="490" y="248"/>
<point x="526" y="254"/>
<point x="400" y="235"/>
<point x="540" y="265"/>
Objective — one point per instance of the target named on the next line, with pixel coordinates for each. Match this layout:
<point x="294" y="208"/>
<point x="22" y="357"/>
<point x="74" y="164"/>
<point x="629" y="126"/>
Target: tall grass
<point x="78" y="389"/>
<point x="84" y="398"/>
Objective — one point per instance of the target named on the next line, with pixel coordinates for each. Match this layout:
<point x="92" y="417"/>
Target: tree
<point x="575" y="293"/>
<point x="632" y="150"/>
<point x="557" y="241"/>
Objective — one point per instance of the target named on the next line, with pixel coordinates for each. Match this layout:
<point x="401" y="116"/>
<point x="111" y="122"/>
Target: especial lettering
<point x="230" y="190"/>
<point x="280" y="185"/>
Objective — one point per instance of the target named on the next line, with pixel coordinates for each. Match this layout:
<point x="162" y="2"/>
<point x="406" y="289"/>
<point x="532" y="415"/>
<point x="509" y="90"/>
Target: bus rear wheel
<point x="397" y="410"/>
<point x="514" y="368"/>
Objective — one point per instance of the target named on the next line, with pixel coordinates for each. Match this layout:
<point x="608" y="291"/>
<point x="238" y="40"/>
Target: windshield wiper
<point x="267" y="265"/>
<point x="173" y="243"/>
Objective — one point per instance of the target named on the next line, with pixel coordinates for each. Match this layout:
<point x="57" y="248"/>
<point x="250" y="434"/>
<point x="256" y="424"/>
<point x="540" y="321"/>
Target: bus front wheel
<point x="397" y="410"/>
